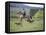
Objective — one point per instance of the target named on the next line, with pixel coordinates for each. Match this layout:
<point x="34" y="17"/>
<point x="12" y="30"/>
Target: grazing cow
<point x="19" y="17"/>
<point x="29" y="18"/>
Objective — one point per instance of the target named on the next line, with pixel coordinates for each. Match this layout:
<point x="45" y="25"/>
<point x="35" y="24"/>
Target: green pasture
<point x="36" y="24"/>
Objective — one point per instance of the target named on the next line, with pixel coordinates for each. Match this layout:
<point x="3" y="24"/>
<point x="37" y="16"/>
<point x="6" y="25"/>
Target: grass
<point x="37" y="23"/>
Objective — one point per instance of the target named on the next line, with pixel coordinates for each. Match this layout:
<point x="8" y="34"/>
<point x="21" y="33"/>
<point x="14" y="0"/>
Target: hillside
<point x="37" y="23"/>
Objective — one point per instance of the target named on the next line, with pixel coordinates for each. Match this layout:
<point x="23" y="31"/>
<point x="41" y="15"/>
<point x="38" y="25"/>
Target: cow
<point x="19" y="16"/>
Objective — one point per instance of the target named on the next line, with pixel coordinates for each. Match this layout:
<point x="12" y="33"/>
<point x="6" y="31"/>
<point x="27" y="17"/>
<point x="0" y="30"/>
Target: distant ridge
<point x="23" y="6"/>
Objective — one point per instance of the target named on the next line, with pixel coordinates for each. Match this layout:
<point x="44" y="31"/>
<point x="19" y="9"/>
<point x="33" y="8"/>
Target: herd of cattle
<point x="24" y="16"/>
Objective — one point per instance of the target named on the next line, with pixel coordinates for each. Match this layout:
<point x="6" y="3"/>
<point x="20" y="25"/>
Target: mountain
<point x="22" y="6"/>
